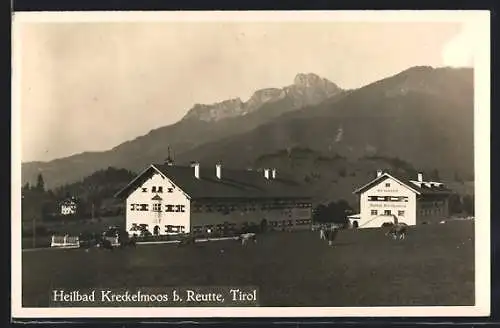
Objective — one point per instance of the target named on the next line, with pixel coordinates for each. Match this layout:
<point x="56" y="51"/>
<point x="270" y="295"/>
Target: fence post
<point x="65" y="240"/>
<point x="53" y="241"/>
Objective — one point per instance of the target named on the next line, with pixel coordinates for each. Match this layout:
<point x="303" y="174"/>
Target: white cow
<point x="245" y="237"/>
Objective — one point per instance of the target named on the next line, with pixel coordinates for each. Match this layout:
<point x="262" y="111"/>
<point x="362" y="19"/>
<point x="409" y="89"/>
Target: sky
<point x="89" y="86"/>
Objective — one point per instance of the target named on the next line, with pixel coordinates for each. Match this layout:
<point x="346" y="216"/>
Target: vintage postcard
<point x="251" y="164"/>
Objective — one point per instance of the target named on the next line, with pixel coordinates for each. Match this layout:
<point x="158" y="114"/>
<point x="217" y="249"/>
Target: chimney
<point x="169" y="161"/>
<point x="379" y="173"/>
<point x="266" y="173"/>
<point x="218" y="171"/>
<point x="196" y="166"/>
<point x="273" y="173"/>
<point x="420" y="177"/>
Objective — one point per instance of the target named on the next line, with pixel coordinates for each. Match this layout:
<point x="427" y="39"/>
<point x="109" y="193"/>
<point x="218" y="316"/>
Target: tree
<point x="40" y="184"/>
<point x="320" y="213"/>
<point x="468" y="204"/>
<point x="455" y="204"/>
<point x="26" y="187"/>
<point x="335" y="212"/>
<point x="339" y="211"/>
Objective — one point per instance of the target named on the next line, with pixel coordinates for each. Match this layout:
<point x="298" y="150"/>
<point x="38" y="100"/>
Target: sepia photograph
<point x="250" y="164"/>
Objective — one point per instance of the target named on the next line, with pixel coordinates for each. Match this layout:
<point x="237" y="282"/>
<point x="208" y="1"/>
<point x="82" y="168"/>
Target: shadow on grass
<point x="340" y="244"/>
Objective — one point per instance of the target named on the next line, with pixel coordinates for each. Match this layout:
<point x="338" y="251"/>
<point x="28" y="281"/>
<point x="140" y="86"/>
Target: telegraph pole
<point x="34" y="231"/>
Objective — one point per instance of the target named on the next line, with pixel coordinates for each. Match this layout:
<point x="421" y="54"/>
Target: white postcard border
<point x="479" y="19"/>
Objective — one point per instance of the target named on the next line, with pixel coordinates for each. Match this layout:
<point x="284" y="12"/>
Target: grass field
<point x="433" y="266"/>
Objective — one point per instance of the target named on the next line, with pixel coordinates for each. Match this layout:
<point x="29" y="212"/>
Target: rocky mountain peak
<point x="306" y="79"/>
<point x="216" y="111"/>
<point x="307" y="89"/>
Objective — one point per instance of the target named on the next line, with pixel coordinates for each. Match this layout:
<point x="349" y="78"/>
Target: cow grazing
<point x="398" y="231"/>
<point x="246" y="237"/>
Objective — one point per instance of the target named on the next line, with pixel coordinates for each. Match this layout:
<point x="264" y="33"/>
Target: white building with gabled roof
<point x="171" y="199"/>
<point x="390" y="199"/>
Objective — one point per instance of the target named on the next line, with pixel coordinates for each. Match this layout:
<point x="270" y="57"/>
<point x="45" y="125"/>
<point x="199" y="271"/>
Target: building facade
<point x="169" y="199"/>
<point x="389" y="199"/>
<point x="68" y="207"/>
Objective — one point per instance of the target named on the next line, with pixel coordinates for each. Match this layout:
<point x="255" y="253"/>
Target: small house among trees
<point x="69" y="206"/>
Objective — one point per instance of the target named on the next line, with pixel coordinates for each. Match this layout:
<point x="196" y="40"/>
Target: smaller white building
<point x="68" y="207"/>
<point x="390" y="199"/>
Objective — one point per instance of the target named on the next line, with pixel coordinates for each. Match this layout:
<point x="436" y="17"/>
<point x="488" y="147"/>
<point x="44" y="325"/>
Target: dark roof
<point x="423" y="189"/>
<point x="69" y="201"/>
<point x="233" y="184"/>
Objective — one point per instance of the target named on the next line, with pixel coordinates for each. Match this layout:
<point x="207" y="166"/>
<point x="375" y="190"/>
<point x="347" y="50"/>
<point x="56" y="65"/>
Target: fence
<point x="113" y="240"/>
<point x="65" y="241"/>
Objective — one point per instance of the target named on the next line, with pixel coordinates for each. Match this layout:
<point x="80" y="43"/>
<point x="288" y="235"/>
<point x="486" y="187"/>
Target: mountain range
<point x="422" y="117"/>
<point x="307" y="89"/>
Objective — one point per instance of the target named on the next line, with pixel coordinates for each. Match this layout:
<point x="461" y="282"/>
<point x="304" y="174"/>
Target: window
<point x="387" y="185"/>
<point x="387" y="212"/>
<point x="153" y="189"/>
<point x="179" y="208"/>
<point x="156" y="207"/>
<point x="170" y="189"/>
<point x="374" y="212"/>
<point x="144" y="189"/>
<point x="144" y="207"/>
<point x="401" y="213"/>
<point x="132" y="207"/>
<point x="169" y="208"/>
<point x="160" y="189"/>
<point x="176" y="229"/>
<point x="388" y="198"/>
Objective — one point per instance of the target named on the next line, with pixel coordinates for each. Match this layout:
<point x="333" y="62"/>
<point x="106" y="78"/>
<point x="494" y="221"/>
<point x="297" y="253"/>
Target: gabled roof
<point x="233" y="184"/>
<point x="68" y="202"/>
<point x="419" y="190"/>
